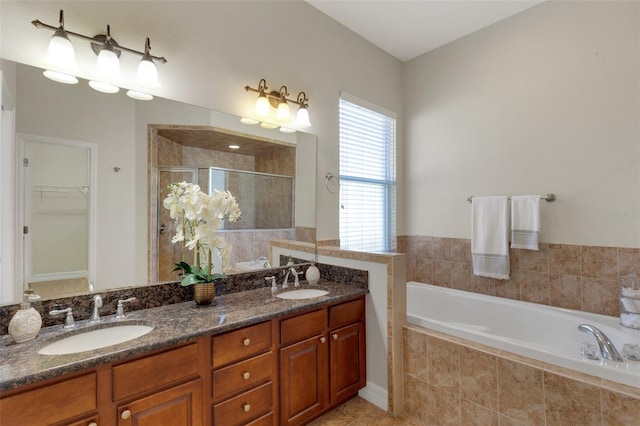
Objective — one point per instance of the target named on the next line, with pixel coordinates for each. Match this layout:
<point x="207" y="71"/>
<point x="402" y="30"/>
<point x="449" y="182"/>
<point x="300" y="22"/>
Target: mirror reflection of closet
<point x="57" y="215"/>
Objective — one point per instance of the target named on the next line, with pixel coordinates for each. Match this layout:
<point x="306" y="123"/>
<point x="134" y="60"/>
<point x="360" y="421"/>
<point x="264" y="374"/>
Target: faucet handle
<point x="120" y="309"/>
<point x="274" y="286"/>
<point x="69" y="320"/>
<point x="296" y="282"/>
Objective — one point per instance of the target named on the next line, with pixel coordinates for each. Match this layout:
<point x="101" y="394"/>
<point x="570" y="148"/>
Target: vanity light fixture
<point x="280" y="102"/>
<point x="61" y="56"/>
<point x="234" y="146"/>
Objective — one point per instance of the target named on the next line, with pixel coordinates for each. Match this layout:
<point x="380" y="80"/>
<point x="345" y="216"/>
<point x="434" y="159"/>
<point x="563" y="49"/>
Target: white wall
<point x="216" y="48"/>
<point x="546" y="101"/>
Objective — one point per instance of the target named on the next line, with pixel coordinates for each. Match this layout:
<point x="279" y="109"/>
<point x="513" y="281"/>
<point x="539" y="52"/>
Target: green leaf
<point x="192" y="279"/>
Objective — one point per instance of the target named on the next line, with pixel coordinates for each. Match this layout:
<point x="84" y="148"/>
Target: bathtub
<point x="539" y="332"/>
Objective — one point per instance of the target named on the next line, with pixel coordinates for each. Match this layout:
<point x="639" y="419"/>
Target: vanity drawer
<point x="244" y="407"/>
<point x="240" y="344"/>
<point x="302" y="327"/>
<point x="50" y="403"/>
<point x="346" y="313"/>
<point x="151" y="372"/>
<point x="242" y="376"/>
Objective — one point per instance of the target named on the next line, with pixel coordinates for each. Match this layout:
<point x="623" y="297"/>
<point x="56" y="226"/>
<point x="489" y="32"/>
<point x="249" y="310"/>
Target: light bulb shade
<point x="262" y="106"/>
<point x="148" y="73"/>
<point x="282" y="114"/>
<point x="139" y="95"/>
<point x="108" y="64"/>
<point x="60" y="77"/>
<point x="302" y="118"/>
<point x="61" y="53"/>
<point x="103" y="87"/>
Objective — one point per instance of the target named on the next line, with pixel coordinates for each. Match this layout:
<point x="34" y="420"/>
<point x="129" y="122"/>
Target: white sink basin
<point x="95" y="339"/>
<point x="306" y="293"/>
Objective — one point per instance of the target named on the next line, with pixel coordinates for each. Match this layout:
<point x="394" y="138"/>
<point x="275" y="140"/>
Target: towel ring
<point x="327" y="180"/>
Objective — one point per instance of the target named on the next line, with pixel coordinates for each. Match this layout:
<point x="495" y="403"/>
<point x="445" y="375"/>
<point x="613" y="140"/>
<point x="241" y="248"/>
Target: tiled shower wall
<point x="569" y="276"/>
<point x="449" y="382"/>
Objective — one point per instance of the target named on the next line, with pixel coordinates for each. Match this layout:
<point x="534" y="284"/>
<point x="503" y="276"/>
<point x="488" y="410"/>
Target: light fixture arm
<point x="38" y="24"/>
<point x="278" y="96"/>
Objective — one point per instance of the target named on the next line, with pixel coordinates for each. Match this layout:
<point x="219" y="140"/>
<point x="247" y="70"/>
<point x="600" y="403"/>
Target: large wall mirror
<point x="103" y="163"/>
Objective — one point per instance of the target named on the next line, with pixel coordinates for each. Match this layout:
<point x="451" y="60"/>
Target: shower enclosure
<point x="266" y="201"/>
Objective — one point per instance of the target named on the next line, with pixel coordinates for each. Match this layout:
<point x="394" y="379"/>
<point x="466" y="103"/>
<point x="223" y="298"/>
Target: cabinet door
<point x="177" y="406"/>
<point x="304" y="380"/>
<point x="347" y="358"/>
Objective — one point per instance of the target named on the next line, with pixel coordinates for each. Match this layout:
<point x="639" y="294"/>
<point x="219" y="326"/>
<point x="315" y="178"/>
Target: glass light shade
<point x="282" y="114"/>
<point x="302" y="118"/>
<point x="262" y="106"/>
<point x="287" y="130"/>
<point x="268" y="126"/>
<point x="108" y="64"/>
<point x="139" y="95"/>
<point x="247" y="120"/>
<point x="148" y="73"/>
<point x="103" y="87"/>
<point x="61" y="53"/>
<point x="60" y="77"/>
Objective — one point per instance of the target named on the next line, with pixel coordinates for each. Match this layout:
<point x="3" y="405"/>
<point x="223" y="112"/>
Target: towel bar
<point x="550" y="198"/>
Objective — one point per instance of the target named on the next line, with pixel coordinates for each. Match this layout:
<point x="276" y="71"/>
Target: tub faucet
<point x="607" y="349"/>
<point x="95" y="314"/>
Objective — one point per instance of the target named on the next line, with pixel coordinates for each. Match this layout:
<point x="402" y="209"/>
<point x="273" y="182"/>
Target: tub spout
<point x="607" y="349"/>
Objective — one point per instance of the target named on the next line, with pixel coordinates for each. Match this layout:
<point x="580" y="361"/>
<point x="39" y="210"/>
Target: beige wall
<point x="546" y="101"/>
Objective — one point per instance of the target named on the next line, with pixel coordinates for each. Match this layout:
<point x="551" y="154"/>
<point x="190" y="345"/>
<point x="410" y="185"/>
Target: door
<point x="348" y="373"/>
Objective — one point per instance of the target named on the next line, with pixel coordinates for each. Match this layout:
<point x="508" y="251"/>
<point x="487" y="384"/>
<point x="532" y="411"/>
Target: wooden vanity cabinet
<point x="244" y="379"/>
<point x="322" y="360"/>
<point x="49" y="404"/>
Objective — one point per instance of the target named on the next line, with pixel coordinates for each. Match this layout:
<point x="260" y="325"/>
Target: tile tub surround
<point x="165" y="294"/>
<point x="568" y="276"/>
<point x="173" y="324"/>
<point x="453" y="381"/>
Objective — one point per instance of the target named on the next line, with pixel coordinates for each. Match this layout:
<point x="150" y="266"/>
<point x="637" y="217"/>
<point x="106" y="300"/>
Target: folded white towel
<point x="525" y="221"/>
<point x="490" y="237"/>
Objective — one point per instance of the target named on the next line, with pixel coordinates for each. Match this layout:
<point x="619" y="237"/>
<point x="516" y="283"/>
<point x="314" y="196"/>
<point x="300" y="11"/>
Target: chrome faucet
<point x="274" y="286"/>
<point x="95" y="314"/>
<point x="607" y="349"/>
<point x="295" y="273"/>
<point x="69" y="321"/>
<point x="120" y="309"/>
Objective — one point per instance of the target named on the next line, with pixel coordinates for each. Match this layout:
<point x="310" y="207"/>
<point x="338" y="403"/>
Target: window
<point x="367" y="177"/>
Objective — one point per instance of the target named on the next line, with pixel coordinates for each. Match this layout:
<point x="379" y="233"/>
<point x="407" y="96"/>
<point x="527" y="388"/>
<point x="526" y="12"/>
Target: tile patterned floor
<point x="358" y="412"/>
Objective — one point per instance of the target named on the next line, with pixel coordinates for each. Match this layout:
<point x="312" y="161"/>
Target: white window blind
<point x="367" y="178"/>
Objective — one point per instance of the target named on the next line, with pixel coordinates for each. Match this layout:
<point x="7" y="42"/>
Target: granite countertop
<point x="20" y="364"/>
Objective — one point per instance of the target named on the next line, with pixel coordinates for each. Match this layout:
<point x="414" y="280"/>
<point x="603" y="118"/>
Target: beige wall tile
<point x="472" y="414"/>
<point x="438" y="248"/>
<point x="534" y="287"/>
<point x="600" y="262"/>
<point x="444" y="407"/>
<point x="619" y="410"/>
<point x="443" y="364"/>
<point x="415" y="354"/>
<point x="565" y="259"/>
<point x="509" y="289"/>
<point x="460" y="250"/>
<point x="568" y="399"/>
<point x="628" y="258"/>
<point x="416" y="397"/>
<point x="484" y="285"/>
<point x="534" y="261"/>
<point x="461" y="276"/>
<point x="442" y="273"/>
<point x="565" y="291"/>
<point x="520" y="392"/>
<point x="600" y="296"/>
<point x="479" y="378"/>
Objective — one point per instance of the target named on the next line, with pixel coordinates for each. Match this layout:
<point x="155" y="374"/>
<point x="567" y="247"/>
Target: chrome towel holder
<point x="549" y="198"/>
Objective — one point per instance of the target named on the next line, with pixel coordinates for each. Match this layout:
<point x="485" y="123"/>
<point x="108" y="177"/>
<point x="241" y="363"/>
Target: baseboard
<point x="376" y="395"/>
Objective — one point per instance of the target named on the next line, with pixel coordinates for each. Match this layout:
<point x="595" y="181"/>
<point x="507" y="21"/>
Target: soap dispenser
<point x="26" y="323"/>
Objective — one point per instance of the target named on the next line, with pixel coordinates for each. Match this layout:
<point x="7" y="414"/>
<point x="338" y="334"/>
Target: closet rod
<point x="549" y="198"/>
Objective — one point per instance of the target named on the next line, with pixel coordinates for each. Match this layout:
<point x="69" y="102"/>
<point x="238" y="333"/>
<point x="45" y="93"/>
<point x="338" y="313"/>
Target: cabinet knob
<point x="335" y="336"/>
<point x="246" y="407"/>
<point x="246" y="342"/>
<point x="322" y="339"/>
<point x="246" y="375"/>
<point x="125" y="414"/>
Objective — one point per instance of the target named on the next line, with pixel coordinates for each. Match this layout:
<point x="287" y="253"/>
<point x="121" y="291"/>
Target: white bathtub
<point x="544" y="333"/>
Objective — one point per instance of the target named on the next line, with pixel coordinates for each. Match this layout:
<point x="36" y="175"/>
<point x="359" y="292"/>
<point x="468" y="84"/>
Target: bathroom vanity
<point x="253" y="359"/>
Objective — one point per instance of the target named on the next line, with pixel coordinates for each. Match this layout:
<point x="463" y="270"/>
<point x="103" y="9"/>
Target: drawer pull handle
<point x="246" y="407"/>
<point x="335" y="336"/>
<point x="125" y="414"/>
<point x="322" y="339"/>
<point x="246" y="375"/>
<point x="246" y="342"/>
<point x="93" y="424"/>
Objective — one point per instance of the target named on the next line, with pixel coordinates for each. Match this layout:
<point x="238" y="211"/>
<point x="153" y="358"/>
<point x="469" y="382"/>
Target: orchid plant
<point x="199" y="217"/>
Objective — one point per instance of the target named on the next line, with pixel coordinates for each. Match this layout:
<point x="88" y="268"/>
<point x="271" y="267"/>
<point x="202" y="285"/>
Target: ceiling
<point x="407" y="29"/>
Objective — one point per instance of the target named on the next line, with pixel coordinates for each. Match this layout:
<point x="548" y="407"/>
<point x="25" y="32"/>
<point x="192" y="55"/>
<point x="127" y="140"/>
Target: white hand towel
<point x="489" y="237"/>
<point x="525" y="221"/>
